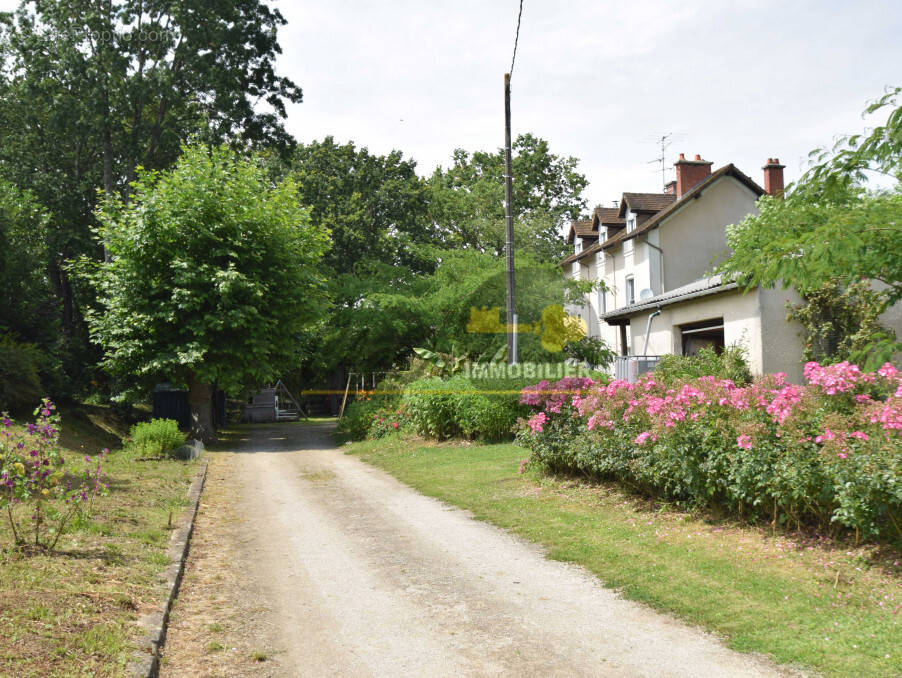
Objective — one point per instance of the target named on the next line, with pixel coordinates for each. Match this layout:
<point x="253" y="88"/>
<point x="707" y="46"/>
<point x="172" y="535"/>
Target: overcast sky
<point x="740" y="80"/>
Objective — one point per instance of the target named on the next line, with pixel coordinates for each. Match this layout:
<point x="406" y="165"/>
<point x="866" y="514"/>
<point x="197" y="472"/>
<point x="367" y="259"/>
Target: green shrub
<point x="357" y="418"/>
<point x="730" y="364"/>
<point x="433" y="405"/>
<point x="484" y="409"/>
<point x="373" y="414"/>
<point x="479" y="408"/>
<point x="20" y="381"/>
<point x="157" y="436"/>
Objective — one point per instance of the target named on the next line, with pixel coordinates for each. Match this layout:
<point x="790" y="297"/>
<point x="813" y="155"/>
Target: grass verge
<point x="802" y="600"/>
<point x="73" y="612"/>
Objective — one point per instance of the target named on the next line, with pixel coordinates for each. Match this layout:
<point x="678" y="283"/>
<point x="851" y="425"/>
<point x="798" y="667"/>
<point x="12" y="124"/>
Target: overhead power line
<point x="516" y="38"/>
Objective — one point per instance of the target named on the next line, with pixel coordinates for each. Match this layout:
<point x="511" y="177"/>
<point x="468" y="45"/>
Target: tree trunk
<point x="200" y="402"/>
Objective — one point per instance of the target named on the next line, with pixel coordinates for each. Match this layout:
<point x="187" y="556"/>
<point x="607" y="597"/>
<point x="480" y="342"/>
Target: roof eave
<point x="616" y="317"/>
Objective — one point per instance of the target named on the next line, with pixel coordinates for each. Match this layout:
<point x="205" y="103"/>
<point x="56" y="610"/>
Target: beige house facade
<point x="653" y="253"/>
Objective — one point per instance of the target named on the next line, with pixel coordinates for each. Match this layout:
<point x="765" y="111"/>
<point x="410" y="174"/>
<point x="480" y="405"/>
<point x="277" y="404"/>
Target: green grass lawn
<point x="73" y="612"/>
<point x="800" y="599"/>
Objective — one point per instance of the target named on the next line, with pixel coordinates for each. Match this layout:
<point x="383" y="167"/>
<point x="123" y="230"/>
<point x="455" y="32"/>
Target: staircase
<point x="273" y="404"/>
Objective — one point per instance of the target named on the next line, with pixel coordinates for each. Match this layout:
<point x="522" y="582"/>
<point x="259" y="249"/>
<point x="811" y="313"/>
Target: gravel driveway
<point x="340" y="570"/>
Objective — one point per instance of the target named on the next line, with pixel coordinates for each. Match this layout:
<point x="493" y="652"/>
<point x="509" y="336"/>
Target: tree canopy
<point x="26" y="307"/>
<point x="90" y="91"/>
<point x="466" y="200"/>
<point x="213" y="277"/>
<point x="833" y="225"/>
<point x="410" y="256"/>
<point x="373" y="205"/>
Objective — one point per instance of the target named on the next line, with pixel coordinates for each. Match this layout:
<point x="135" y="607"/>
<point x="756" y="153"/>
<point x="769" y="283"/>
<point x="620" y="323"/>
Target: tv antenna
<point x="664" y="142"/>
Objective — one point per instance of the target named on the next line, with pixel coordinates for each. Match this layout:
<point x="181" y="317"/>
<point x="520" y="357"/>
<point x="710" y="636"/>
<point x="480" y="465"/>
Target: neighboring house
<point x="653" y="252"/>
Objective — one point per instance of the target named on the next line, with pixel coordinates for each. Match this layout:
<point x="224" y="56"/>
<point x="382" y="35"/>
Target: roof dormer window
<point x="579" y="245"/>
<point x="631" y="224"/>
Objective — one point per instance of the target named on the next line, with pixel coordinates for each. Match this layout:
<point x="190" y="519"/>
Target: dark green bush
<point x="478" y="408"/>
<point x="730" y="364"/>
<point x="157" y="436"/>
<point x="20" y="381"/>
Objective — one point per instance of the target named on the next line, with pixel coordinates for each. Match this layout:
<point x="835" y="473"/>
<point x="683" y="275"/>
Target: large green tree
<point x="374" y="205"/>
<point x="396" y="314"/>
<point x="467" y="198"/>
<point x="839" y="224"/>
<point x="407" y="253"/>
<point x="26" y="307"/>
<point x="91" y="90"/>
<point x="213" y="278"/>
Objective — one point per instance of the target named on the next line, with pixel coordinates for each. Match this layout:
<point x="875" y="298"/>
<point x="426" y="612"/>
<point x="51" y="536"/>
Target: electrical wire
<point x="516" y="39"/>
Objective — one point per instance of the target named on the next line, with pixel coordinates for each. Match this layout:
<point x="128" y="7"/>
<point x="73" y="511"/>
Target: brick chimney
<point x="670" y="188"/>
<point x="773" y="177"/>
<point x="689" y="173"/>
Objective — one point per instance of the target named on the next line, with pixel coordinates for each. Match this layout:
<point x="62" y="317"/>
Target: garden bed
<point x="73" y="611"/>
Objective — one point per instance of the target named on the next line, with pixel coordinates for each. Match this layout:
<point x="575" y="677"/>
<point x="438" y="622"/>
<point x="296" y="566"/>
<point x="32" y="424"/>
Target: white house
<point x="653" y="252"/>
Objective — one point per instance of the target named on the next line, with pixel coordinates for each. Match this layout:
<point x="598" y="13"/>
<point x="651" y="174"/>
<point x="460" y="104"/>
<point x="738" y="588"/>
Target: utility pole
<point x="509" y="222"/>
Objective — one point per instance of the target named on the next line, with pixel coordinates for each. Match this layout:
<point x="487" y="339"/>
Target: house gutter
<point x="648" y="330"/>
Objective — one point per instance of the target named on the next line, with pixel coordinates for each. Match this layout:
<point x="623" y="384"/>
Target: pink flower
<point x="843" y="455"/>
<point x="887" y="371"/>
<point x="828" y="435"/>
<point x="645" y="435"/>
<point x="859" y="434"/>
<point x="394" y="424"/>
<point x="537" y="422"/>
<point x="744" y="441"/>
<point x="598" y="420"/>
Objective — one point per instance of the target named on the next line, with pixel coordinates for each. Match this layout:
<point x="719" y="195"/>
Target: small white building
<point x="653" y="252"/>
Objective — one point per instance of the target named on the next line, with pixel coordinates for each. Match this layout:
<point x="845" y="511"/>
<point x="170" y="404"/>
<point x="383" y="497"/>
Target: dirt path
<point x="323" y="566"/>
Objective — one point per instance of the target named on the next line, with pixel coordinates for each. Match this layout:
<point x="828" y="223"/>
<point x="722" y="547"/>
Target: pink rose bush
<point x="829" y="451"/>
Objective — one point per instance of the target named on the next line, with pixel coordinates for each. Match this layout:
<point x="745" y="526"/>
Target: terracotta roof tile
<point x="646" y="202"/>
<point x="583" y="229"/>
<point x="607" y="215"/>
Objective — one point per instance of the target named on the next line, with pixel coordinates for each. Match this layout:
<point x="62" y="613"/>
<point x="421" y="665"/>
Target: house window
<point x="708" y="333"/>
<point x="630" y="290"/>
<point x="631" y="224"/>
<point x="602" y="303"/>
<point x="579" y="245"/>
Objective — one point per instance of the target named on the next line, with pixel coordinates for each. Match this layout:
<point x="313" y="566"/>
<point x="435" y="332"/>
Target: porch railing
<point x="630" y="367"/>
